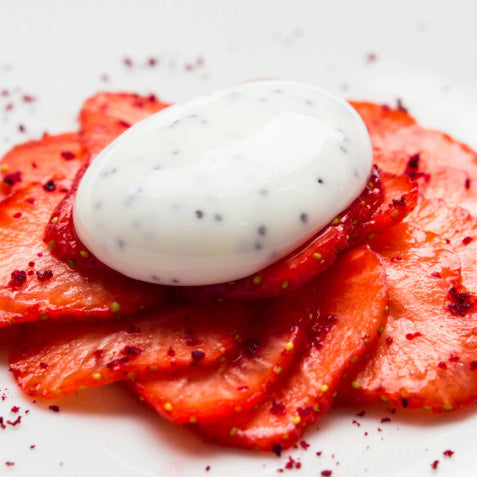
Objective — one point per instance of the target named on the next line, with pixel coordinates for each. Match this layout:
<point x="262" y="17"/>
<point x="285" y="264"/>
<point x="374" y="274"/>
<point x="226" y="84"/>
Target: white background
<point x="61" y="52"/>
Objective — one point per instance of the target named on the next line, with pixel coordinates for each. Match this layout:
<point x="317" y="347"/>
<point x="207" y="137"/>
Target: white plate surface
<point x="422" y="52"/>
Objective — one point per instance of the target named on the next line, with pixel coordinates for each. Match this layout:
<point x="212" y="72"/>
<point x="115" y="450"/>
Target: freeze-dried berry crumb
<point x="413" y="162"/>
<point x="43" y="365"/>
<point x="207" y="468"/>
<point x="385" y="419"/>
<point x="448" y="453"/>
<point x="467" y="240"/>
<point x="117" y="363"/>
<point x="44" y="275"/>
<point x="304" y="445"/>
<point x="371" y="57"/>
<point x="292" y="464"/>
<point x="68" y="155"/>
<point x="411" y="336"/>
<point x="461" y="303"/>
<point x="304" y="411"/>
<point x="171" y="352"/>
<point x="18" y="278"/>
<point x="361" y="413"/>
<point x="326" y="473"/>
<point x="13" y="178"/>
<point x="9" y="463"/>
<point x="32" y="446"/>
<point x="435" y="464"/>
<point x="131" y="351"/>
<point x="277" y="408"/>
<point x="14" y="409"/>
<point x="14" y="423"/>
<point x="197" y="355"/>
<point x="54" y="408"/>
<point x="124" y="123"/>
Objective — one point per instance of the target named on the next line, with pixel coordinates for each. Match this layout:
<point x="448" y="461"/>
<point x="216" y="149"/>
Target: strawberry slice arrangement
<point x="378" y="305"/>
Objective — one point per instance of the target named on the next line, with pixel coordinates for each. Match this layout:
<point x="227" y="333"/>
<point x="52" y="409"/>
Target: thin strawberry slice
<point x="268" y="347"/>
<point x="351" y="301"/>
<point x="61" y="236"/>
<point x="427" y="355"/>
<point x="381" y="118"/>
<point x="454" y="185"/>
<point x="52" y="359"/>
<point x="105" y="116"/>
<point x="52" y="161"/>
<point x="403" y="147"/>
<point x="34" y="284"/>
<point x="400" y="197"/>
<point x="457" y="226"/>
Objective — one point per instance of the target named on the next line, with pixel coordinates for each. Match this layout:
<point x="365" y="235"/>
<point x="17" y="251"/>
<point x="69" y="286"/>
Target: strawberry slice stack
<point x="379" y="304"/>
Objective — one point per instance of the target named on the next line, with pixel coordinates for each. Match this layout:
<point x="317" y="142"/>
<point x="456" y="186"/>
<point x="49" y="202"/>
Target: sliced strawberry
<point x="400" y="197"/>
<point x="401" y="146"/>
<point x="457" y="226"/>
<point x="427" y="355"/>
<point x="52" y="359"/>
<point x="351" y="301"/>
<point x="380" y="118"/>
<point x="453" y="185"/>
<point x="61" y="236"/>
<point x="268" y="347"/>
<point x="105" y="116"/>
<point x="34" y="284"/>
<point x="53" y="158"/>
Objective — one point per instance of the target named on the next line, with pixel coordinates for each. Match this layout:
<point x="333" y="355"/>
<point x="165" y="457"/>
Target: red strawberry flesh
<point x="350" y="299"/>
<point x="53" y="359"/>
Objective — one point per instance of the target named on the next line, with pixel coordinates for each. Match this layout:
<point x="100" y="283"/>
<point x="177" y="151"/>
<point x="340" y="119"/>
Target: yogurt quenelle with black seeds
<point x="220" y="187"/>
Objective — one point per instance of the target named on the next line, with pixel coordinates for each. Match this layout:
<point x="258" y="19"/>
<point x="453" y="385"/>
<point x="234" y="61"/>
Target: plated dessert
<point x="378" y="303"/>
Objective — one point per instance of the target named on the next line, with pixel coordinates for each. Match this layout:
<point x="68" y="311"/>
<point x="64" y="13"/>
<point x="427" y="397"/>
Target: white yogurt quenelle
<point x="218" y="188"/>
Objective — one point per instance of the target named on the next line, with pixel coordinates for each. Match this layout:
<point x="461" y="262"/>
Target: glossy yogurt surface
<point x="220" y="187"/>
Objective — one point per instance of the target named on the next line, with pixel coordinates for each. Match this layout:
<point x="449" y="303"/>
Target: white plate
<point x="58" y="53"/>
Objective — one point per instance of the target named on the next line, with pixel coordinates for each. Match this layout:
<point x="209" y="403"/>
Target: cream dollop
<point x="218" y="188"/>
